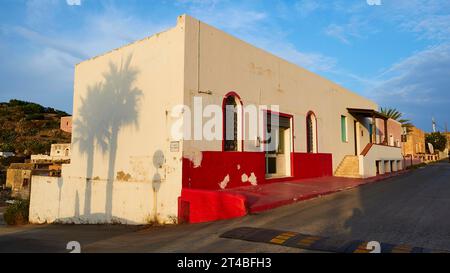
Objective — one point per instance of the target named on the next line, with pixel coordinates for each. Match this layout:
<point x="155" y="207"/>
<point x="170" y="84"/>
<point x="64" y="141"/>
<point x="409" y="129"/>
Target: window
<point x="25" y="182"/>
<point x="232" y="106"/>
<point x="311" y="133"/>
<point x="344" y="129"/>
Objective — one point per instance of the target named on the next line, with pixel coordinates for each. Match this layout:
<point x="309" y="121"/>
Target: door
<point x="278" y="148"/>
<point x="357" y="137"/>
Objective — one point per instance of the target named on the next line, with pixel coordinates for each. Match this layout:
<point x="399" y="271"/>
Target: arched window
<point x="232" y="117"/>
<point x="311" y="133"/>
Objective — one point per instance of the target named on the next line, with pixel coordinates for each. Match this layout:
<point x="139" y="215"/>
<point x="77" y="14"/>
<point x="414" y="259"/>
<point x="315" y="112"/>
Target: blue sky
<point x="397" y="53"/>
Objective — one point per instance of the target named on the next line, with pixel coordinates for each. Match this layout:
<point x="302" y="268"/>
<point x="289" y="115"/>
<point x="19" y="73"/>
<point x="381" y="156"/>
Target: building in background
<point x="59" y="153"/>
<point x="395" y="131"/>
<point x="447" y="135"/>
<point x="127" y="166"/>
<point x="19" y="176"/>
<point x="415" y="143"/>
<point x="413" y="147"/>
<point x="7" y="154"/>
<point x="66" y="124"/>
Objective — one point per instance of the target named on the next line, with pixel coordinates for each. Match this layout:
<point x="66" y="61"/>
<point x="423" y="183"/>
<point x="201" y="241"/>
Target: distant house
<point x="58" y="153"/>
<point x="447" y="135"/>
<point x="66" y="124"/>
<point x="7" y="154"/>
<point x="415" y="143"/>
<point x="19" y="175"/>
<point x="413" y="147"/>
<point x="394" y="129"/>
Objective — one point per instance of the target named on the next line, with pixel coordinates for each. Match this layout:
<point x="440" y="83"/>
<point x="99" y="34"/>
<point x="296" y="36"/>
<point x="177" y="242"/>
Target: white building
<point x="127" y="166"/>
<point x="58" y="152"/>
<point x="7" y="154"/>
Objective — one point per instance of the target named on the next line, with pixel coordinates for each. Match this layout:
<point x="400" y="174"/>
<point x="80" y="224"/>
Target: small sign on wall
<point x="174" y="146"/>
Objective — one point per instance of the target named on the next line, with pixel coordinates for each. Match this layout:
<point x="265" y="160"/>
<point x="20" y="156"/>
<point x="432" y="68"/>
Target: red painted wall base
<point x="216" y="166"/>
<point x="197" y="206"/>
<point x="202" y="198"/>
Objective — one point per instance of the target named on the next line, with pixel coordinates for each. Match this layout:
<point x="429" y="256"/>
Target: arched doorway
<point x="232" y="123"/>
<point x="311" y="133"/>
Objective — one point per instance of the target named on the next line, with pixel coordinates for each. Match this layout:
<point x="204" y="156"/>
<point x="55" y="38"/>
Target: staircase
<point x="349" y="167"/>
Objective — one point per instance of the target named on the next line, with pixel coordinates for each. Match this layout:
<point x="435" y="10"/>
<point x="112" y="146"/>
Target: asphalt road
<point x="412" y="209"/>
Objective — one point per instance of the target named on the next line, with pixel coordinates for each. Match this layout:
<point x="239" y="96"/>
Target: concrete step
<point x="349" y="167"/>
<point x="348" y="175"/>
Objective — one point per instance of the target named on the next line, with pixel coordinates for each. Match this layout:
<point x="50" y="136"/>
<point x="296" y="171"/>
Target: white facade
<point x="126" y="165"/>
<point x="6" y="154"/>
<point x="58" y="152"/>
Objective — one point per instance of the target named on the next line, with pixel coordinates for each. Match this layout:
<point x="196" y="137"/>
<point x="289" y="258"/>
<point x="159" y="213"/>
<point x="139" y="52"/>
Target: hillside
<point x="28" y="128"/>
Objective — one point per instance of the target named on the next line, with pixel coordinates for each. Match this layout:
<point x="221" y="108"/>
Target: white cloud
<point x="338" y="32"/>
<point x="46" y="64"/>
<point x="59" y="44"/>
<point x="356" y="27"/>
<point x="310" y="60"/>
<point x="419" y="78"/>
<point x="229" y="17"/>
<point x="306" y="7"/>
<point x="419" y="84"/>
<point x="209" y="3"/>
<point x="254" y="27"/>
<point x="73" y="2"/>
<point x="39" y="12"/>
<point x="428" y="20"/>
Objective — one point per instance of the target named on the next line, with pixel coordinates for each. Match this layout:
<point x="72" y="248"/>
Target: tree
<point x="397" y="115"/>
<point x="438" y="140"/>
<point x="7" y="147"/>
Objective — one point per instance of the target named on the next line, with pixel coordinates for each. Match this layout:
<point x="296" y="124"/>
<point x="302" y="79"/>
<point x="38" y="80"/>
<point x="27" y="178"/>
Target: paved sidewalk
<point x="265" y="197"/>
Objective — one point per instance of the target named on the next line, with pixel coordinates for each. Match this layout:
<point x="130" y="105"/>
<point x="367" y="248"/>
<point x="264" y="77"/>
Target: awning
<point x="367" y="113"/>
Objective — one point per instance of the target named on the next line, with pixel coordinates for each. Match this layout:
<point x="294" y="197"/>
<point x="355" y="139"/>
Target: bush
<point x="33" y="108"/>
<point x="7" y="147"/>
<point x="17" y="213"/>
<point x="438" y="140"/>
<point x="35" y="116"/>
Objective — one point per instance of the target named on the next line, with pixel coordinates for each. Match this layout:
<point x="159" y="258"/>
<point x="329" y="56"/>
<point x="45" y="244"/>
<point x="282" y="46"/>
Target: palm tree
<point x="394" y="114"/>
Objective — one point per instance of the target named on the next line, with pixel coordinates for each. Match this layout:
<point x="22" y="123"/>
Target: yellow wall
<point x="415" y="143"/>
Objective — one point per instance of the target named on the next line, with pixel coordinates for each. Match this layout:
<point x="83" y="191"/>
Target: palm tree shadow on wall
<point x="108" y="106"/>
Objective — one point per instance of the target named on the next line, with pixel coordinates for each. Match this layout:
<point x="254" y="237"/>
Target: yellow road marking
<point x="402" y="249"/>
<point x="362" y="248"/>
<point x="308" y="241"/>
<point x="282" y="238"/>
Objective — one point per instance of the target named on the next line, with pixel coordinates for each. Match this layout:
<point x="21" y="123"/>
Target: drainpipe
<point x="374" y="133"/>
<point x="386" y="141"/>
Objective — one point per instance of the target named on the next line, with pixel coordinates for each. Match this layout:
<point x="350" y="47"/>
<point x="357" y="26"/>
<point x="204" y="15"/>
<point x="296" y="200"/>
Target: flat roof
<point x="367" y="113"/>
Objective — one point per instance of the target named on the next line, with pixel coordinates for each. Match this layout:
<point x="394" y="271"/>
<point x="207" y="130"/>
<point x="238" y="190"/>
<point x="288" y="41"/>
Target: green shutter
<point x="344" y="128"/>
